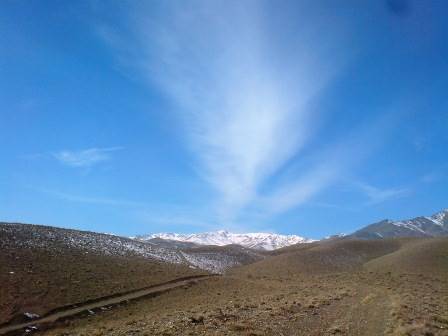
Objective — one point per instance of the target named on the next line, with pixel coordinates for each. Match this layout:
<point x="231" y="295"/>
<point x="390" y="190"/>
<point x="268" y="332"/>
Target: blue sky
<point x="300" y="117"/>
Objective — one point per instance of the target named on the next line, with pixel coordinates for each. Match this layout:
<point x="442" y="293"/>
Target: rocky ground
<point x="38" y="274"/>
<point x="363" y="303"/>
<point x="43" y="268"/>
<point x="379" y="293"/>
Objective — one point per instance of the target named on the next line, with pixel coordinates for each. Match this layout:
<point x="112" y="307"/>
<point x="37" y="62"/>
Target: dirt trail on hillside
<point x="364" y="310"/>
<point x="367" y="313"/>
<point x="90" y="306"/>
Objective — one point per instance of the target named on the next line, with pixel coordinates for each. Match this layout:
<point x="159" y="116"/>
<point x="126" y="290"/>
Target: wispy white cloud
<point x="377" y="195"/>
<point x="85" y="158"/>
<point x="329" y="165"/>
<point x="299" y="191"/>
<point x="244" y="100"/>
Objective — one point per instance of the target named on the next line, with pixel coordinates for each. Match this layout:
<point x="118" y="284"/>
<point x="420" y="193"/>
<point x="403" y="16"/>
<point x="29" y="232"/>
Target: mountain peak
<point x="255" y="240"/>
<point x="423" y="226"/>
<point x="440" y="218"/>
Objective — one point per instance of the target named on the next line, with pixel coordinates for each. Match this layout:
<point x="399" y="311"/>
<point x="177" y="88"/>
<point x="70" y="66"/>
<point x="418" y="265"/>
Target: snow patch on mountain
<point x="260" y="241"/>
<point x="439" y="218"/>
<point x="212" y="262"/>
<point x="420" y="223"/>
<point x="424" y="226"/>
<point x="37" y="236"/>
<point x="411" y="225"/>
<point x="58" y="240"/>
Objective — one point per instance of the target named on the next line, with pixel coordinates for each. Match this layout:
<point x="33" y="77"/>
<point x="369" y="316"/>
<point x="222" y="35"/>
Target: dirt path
<point x="365" y="313"/>
<point x="101" y="302"/>
<point x="369" y="313"/>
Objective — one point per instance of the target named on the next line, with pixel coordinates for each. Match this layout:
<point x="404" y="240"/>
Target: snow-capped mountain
<point x="428" y="226"/>
<point x="260" y="241"/>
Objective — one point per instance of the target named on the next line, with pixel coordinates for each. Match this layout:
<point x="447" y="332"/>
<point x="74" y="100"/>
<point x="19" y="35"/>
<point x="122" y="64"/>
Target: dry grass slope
<point x="426" y="255"/>
<point x="38" y="278"/>
<point x="325" y="257"/>
<point x="396" y="287"/>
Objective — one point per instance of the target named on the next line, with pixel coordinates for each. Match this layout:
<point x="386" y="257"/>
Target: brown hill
<point x="219" y="259"/>
<point x="340" y="287"/>
<point x="321" y="257"/>
<point x="415" y="256"/>
<point x="333" y="287"/>
<point x="40" y="271"/>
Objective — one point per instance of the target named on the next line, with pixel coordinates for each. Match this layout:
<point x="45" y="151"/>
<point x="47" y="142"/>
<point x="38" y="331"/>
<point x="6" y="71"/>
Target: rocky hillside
<point x="58" y="240"/>
<point x="431" y="226"/>
<point x="42" y="268"/>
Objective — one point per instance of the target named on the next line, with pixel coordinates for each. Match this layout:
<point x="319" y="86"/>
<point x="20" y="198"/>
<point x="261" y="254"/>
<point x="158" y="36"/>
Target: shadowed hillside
<point x="42" y="268"/>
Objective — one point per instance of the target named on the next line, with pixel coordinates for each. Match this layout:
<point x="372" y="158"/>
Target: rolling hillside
<point x="44" y="267"/>
<point x="391" y="287"/>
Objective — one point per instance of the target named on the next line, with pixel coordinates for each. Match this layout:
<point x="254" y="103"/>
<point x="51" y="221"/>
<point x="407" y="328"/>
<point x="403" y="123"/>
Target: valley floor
<point x="333" y="287"/>
<point x="355" y="303"/>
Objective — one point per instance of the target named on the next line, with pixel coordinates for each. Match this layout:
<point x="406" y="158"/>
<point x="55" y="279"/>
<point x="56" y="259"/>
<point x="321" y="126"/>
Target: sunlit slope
<point x="324" y="257"/>
<point x="407" y="255"/>
<point x="419" y="256"/>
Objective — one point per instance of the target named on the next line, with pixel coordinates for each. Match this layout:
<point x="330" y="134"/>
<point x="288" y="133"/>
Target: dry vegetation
<point x="337" y="287"/>
<point x="385" y="287"/>
<point x="39" y="279"/>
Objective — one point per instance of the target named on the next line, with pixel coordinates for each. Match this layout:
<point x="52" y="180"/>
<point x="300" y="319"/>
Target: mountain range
<point x="435" y="225"/>
<point x="214" y="259"/>
<point x="423" y="226"/>
<point x="342" y="278"/>
<point x="257" y="241"/>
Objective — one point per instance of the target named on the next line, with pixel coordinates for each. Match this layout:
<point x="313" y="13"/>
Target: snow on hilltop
<point x="423" y="226"/>
<point x="57" y="240"/>
<point x="260" y="241"/>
